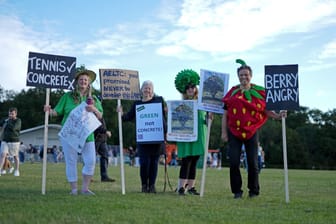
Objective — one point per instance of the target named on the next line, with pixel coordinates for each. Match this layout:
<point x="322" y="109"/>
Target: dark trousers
<point x="251" y="147"/>
<point x="149" y="169"/>
<point x="188" y="167"/>
<point x="101" y="149"/>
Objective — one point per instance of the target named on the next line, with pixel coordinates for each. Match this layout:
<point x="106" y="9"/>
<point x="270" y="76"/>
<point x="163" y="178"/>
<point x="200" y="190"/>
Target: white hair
<point x="148" y="83"/>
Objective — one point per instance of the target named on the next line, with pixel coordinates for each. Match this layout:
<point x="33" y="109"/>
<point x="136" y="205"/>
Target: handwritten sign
<point x="78" y="126"/>
<point x="282" y="87"/>
<point x="182" y="120"/>
<point x="119" y="84"/>
<point x="213" y="86"/>
<point x="51" y="71"/>
<point x="149" y="123"/>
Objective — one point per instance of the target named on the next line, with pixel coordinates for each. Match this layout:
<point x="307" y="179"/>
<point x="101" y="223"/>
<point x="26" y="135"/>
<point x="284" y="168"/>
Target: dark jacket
<point x="12" y="130"/>
<point x="100" y="132"/>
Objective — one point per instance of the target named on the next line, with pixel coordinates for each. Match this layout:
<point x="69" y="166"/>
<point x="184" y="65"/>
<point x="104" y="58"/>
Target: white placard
<point x="78" y="126"/>
<point x="149" y="123"/>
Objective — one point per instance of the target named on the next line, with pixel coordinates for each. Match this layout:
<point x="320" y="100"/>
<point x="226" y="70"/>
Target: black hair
<point x="244" y="67"/>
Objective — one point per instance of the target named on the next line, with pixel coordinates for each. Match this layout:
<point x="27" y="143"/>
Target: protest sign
<point x="51" y="71"/>
<point x="213" y="86"/>
<point x="282" y="87"/>
<point x="149" y="123"/>
<point x="78" y="126"/>
<point x="182" y="120"/>
<point x="119" y="84"/>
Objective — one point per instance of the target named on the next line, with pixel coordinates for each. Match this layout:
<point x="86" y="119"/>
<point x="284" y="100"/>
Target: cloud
<point x="328" y="50"/>
<point x="237" y="26"/>
<point x="16" y="45"/>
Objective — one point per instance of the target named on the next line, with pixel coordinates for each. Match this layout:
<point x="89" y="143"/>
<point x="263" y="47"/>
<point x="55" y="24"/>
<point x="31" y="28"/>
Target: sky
<point x="159" y="38"/>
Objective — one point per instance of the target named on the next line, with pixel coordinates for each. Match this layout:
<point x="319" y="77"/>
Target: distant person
<point x="186" y="83"/>
<point x="149" y="153"/>
<point x="22" y="152"/>
<point x="101" y="135"/>
<point x="244" y="113"/>
<point x="131" y="154"/>
<point x="10" y="144"/>
<point x="115" y="155"/>
<point x="260" y="157"/>
<point x="173" y="161"/>
<point x="68" y="102"/>
<point x="7" y="166"/>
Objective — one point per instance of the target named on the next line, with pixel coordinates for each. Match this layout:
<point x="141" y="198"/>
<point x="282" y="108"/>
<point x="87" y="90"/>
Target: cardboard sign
<point x="182" y="120"/>
<point x="51" y="71"/>
<point x="213" y="86"/>
<point x="282" y="87"/>
<point x="119" y="84"/>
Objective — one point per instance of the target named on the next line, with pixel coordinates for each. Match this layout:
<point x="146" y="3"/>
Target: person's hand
<point x="119" y="109"/>
<point x="283" y="113"/>
<point x="224" y="136"/>
<point x="211" y="116"/>
<point x="47" y="108"/>
<point x="109" y="134"/>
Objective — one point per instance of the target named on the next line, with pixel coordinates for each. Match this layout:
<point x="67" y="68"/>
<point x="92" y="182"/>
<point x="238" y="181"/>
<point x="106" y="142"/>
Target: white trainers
<point x="16" y="173"/>
<point x="11" y="170"/>
<point x="3" y="172"/>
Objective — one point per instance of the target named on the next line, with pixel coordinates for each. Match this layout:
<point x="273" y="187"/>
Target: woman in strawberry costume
<point x="244" y="113"/>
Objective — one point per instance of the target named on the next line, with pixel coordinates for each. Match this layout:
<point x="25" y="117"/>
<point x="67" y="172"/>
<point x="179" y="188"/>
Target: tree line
<point x="310" y="133"/>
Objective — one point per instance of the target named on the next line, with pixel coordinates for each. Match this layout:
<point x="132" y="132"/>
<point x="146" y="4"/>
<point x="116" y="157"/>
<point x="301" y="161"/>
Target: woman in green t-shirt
<point x="66" y="104"/>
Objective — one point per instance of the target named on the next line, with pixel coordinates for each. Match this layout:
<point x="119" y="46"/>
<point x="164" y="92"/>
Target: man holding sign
<point x="149" y="114"/>
<point x="244" y="113"/>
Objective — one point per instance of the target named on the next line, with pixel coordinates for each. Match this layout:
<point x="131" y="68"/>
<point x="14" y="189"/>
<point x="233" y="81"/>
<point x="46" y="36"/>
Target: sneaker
<point x="11" y="170"/>
<point x="238" y="195"/>
<point x="73" y="192"/>
<point x="152" y="189"/>
<point x="16" y="173"/>
<point x="181" y="191"/>
<point x="144" y="188"/>
<point x="3" y="172"/>
<point x="252" y="195"/>
<point x="193" y="191"/>
<point x="107" y="180"/>
<point x="88" y="192"/>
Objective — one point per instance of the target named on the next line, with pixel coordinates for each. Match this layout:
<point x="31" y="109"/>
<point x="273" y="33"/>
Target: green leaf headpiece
<point x="186" y="78"/>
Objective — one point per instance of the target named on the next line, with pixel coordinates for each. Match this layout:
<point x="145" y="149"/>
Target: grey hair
<point x="147" y="83"/>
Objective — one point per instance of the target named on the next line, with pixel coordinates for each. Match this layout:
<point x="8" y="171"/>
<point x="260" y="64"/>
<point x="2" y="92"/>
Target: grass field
<point x="312" y="196"/>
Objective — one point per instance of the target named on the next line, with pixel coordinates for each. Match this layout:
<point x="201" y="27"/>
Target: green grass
<point x="312" y="199"/>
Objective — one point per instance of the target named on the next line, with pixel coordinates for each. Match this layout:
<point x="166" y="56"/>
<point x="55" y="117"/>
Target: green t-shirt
<point x="196" y="148"/>
<point x="66" y="104"/>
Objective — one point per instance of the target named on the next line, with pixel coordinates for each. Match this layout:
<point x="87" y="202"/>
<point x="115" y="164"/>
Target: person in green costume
<point x="186" y="83"/>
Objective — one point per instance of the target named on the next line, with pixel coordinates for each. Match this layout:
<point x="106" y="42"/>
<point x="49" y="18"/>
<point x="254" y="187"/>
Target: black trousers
<point x="251" y="147"/>
<point x="188" y="167"/>
<point x="101" y="149"/>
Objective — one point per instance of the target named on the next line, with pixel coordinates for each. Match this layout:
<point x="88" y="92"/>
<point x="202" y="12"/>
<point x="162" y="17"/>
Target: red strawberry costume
<point x="245" y="110"/>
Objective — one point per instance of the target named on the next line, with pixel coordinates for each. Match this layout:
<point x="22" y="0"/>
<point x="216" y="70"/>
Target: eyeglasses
<point x="190" y="86"/>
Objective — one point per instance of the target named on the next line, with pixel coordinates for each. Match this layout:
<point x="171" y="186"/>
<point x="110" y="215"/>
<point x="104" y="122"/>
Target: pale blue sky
<point x="160" y="38"/>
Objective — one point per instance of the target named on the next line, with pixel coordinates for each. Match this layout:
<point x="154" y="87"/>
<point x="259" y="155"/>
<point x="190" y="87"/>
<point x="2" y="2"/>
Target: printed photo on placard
<point x="213" y="86"/>
<point x="182" y="120"/>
